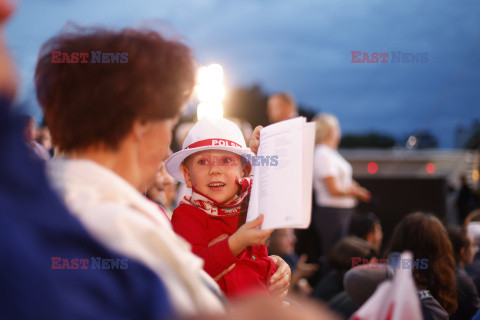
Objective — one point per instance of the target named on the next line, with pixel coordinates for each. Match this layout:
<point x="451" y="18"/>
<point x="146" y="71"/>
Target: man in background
<point x="281" y="106"/>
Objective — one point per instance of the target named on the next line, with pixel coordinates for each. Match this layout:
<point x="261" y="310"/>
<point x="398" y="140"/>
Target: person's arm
<point x="332" y="187"/>
<point x="360" y="193"/>
<point x="355" y="190"/>
<point x="303" y="269"/>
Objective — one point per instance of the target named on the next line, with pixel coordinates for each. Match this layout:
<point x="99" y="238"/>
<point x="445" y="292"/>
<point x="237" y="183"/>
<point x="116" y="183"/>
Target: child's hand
<point x="248" y="235"/>
<point x="255" y="140"/>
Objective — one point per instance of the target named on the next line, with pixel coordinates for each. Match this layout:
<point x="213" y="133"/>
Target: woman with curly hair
<point x="425" y="236"/>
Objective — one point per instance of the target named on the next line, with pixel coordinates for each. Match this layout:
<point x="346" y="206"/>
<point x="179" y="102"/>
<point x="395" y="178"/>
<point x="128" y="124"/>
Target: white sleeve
<point x="323" y="164"/>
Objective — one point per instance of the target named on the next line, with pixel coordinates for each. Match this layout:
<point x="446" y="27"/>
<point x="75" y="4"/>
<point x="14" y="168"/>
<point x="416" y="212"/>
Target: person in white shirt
<point x="336" y="192"/>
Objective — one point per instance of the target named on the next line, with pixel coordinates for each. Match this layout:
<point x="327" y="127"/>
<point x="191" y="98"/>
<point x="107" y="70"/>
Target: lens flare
<point x="210" y="91"/>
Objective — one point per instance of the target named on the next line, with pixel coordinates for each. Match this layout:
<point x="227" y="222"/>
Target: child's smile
<point x="216" y="185"/>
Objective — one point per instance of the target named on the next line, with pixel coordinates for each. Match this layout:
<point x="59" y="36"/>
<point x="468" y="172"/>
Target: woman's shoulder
<point x="431" y="308"/>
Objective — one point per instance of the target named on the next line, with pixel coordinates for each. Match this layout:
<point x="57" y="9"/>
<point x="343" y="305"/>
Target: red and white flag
<point x="393" y="300"/>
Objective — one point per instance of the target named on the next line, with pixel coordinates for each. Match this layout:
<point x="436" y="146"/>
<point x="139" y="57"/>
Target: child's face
<point x="213" y="173"/>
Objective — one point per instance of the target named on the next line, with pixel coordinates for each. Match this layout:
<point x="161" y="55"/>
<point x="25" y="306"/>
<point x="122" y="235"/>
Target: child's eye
<point x="227" y="160"/>
<point x="202" y="161"/>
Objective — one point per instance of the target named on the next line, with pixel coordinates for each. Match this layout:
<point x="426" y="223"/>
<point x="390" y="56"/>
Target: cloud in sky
<point x="305" y="47"/>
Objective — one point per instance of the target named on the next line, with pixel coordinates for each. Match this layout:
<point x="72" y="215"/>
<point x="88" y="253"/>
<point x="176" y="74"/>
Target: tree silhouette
<point x="368" y="140"/>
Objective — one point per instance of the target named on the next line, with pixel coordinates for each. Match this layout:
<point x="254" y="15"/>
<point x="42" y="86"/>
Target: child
<point x="212" y="217"/>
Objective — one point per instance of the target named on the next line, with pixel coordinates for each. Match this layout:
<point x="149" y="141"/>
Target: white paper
<point x="283" y="192"/>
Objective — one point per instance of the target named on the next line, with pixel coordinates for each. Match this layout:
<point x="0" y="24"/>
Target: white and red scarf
<point x="216" y="209"/>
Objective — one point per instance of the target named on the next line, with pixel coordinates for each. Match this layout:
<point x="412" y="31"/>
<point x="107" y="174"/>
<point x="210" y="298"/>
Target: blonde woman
<point x="335" y="190"/>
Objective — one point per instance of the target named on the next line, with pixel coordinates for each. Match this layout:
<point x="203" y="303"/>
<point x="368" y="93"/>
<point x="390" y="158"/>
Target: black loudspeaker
<point x="394" y="198"/>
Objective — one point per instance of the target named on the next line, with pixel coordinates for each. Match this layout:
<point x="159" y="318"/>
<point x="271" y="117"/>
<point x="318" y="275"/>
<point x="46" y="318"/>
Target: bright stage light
<point x="210" y="91"/>
<point x="211" y="94"/>
<point x="210" y="74"/>
<point x="209" y="110"/>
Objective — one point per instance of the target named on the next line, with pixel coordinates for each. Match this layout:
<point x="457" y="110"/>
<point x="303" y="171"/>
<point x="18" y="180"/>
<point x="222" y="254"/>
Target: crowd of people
<point x="101" y="220"/>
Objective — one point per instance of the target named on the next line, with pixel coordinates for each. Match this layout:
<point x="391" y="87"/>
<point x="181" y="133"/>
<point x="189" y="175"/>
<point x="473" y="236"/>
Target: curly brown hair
<point x="89" y="104"/>
<point x="426" y="237"/>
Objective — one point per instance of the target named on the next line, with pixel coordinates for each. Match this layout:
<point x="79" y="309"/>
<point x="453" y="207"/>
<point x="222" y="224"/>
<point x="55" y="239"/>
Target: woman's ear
<point x="186" y="175"/>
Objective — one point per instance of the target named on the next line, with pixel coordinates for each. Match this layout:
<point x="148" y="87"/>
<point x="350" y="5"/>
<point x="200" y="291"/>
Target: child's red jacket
<point x="253" y="267"/>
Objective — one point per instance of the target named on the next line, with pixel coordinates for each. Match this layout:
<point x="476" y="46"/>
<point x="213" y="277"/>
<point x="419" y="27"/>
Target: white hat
<point x="207" y="134"/>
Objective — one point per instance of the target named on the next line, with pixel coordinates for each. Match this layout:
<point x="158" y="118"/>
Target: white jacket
<point x="122" y="219"/>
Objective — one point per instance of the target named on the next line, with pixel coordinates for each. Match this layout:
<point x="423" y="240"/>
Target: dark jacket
<point x="342" y="304"/>
<point x="328" y="286"/>
<point x="473" y="271"/>
<point x="431" y="308"/>
<point x="467" y="296"/>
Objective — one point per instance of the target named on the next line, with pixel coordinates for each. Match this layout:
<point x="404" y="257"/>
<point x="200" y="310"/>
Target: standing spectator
<point x="281" y="106"/>
<point x="336" y="191"/>
<point x="467" y="295"/>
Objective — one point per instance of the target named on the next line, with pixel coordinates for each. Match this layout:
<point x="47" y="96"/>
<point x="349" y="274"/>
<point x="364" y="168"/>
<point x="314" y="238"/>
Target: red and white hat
<point x="208" y="134"/>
